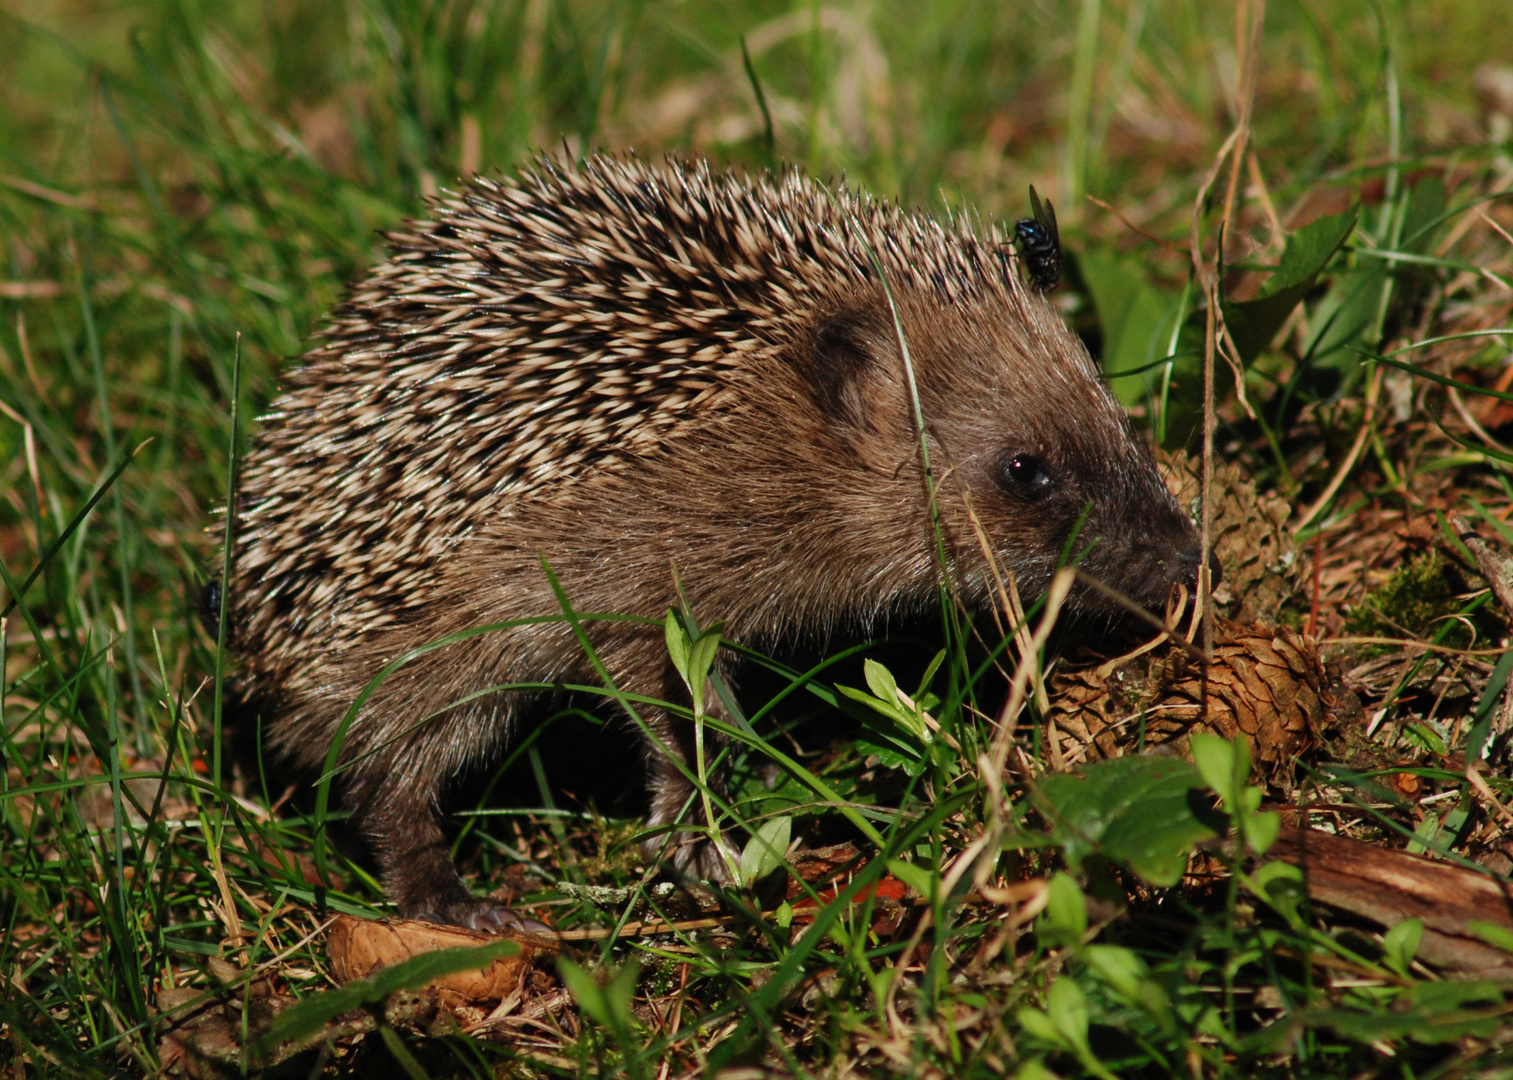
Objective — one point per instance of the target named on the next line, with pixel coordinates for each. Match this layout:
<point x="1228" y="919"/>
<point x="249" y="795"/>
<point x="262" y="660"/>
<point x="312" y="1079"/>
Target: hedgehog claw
<point x="476" y="913"/>
<point x="494" y="917"/>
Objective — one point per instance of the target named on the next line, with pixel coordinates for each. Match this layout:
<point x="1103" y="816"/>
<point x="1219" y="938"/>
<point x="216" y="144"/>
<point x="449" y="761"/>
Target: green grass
<point x="184" y="183"/>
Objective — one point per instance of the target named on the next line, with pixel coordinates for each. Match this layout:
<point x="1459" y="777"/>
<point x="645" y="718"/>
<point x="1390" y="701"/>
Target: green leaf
<point x="586" y="992"/>
<point x="1401" y="943"/>
<point x="1146" y="813"/>
<point x="1427" y="738"/>
<point x="692" y="657"/>
<point x="1126" y="974"/>
<point x="881" y="681"/>
<point x="1066" y="1006"/>
<point x="1427" y="1012"/>
<point x="1034" y="1068"/>
<point x="1136" y="320"/>
<point x="1262" y="829"/>
<point x="1064" y="921"/>
<point x="894" y="752"/>
<point x="1120" y="969"/>
<point x="924" y="682"/>
<point x="765" y="850"/>
<point x="902" y="740"/>
<point x="678" y="644"/>
<point x="1494" y="934"/>
<point x="1337" y="322"/>
<point x="1486" y="709"/>
<point x="1253" y="323"/>
<point x="313" y="1013"/>
<point x="1424" y="834"/>
<point x="889" y="708"/>
<point x="1039" y="1026"/>
<point x="700" y="661"/>
<point x="1423" y="215"/>
<point x="1215" y="758"/>
<point x="1280" y="884"/>
<point x="608" y="1005"/>
<point x="401" y="1054"/>
<point x="917" y="878"/>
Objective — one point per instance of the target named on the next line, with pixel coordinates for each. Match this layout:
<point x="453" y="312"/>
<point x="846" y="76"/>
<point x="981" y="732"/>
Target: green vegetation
<point x="1418" y="596"/>
<point x="186" y="187"/>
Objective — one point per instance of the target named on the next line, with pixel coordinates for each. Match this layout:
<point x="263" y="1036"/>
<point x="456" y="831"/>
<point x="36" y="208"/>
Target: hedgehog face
<point x="1112" y="512"/>
<point x="1029" y="448"/>
<point x="1052" y="470"/>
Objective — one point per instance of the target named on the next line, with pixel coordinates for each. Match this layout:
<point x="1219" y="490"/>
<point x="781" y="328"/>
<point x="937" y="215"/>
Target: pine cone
<point x="1255" y="547"/>
<point x="1265" y="682"/>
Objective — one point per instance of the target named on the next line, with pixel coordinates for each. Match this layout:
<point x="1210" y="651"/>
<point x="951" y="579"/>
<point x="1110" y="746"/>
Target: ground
<point x="1278" y="847"/>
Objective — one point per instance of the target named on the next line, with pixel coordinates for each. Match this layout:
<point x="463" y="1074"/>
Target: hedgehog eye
<point x="1026" y="474"/>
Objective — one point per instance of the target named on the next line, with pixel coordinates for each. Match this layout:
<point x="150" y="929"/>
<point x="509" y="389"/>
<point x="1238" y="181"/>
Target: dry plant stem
<point x="1231" y="354"/>
<point x="1200" y="265"/>
<point x="1022" y="901"/>
<point x="1027" y="649"/>
<point x="1278" y="236"/>
<point x="1167" y="629"/>
<point x="1055" y="596"/>
<point x="1313" y="603"/>
<point x="1487" y="793"/>
<point x="1013" y="609"/>
<point x="1498" y="229"/>
<point x="1131" y="226"/>
<point x="1471" y="422"/>
<point x="1248" y="45"/>
<point x="1411" y="643"/>
<point x="648" y="929"/>
<point x="1206" y="526"/>
<point x="1495" y="570"/>
<point x="959" y="866"/>
<point x="1368" y="421"/>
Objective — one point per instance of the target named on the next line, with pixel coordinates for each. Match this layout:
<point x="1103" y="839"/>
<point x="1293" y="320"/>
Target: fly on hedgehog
<point x="644" y="375"/>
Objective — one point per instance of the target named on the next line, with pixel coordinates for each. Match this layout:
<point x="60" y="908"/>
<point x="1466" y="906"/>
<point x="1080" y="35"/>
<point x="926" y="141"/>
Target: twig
<point x="1494" y="569"/>
<point x="1486" y="792"/>
<point x="1131" y="226"/>
<point x="1278" y="234"/>
<point x="1313" y="604"/>
<point x="1351" y="458"/>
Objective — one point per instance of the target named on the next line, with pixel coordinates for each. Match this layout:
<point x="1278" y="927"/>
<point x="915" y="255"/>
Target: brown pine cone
<point x="1265" y="682"/>
<point x="1262" y="565"/>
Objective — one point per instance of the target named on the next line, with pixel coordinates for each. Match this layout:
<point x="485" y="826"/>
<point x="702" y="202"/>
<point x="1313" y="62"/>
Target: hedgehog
<point x="628" y="387"/>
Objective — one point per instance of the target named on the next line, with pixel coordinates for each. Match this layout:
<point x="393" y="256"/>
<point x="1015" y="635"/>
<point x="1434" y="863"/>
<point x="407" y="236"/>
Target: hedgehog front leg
<point x="675" y="798"/>
<point x="397" y="810"/>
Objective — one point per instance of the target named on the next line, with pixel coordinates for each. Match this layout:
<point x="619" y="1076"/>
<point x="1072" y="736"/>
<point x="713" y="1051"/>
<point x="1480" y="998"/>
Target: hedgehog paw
<point x="705" y="859"/>
<point x="476" y="913"/>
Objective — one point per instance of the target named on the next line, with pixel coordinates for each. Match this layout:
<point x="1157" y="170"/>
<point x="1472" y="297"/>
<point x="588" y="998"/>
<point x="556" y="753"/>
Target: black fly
<point x="1040" y="244"/>
<point x="210" y="606"/>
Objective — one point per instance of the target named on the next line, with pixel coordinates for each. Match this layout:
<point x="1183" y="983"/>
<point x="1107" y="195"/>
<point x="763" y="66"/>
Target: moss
<point x="1418" y="596"/>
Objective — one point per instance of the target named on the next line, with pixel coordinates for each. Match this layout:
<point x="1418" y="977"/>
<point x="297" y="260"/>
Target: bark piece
<point x="1388" y="886"/>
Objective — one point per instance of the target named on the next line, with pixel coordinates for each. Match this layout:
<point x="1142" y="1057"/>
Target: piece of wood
<point x="1388" y="886"/>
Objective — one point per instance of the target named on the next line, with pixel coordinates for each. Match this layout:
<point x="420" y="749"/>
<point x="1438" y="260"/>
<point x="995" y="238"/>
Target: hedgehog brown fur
<point x="642" y="374"/>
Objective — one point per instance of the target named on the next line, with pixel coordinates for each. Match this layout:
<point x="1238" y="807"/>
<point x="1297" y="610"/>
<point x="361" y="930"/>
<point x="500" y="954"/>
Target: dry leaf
<point x="359" y="947"/>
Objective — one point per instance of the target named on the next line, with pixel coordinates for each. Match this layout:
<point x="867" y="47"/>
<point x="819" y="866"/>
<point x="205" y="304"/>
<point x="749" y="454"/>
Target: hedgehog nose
<point x="1188" y="562"/>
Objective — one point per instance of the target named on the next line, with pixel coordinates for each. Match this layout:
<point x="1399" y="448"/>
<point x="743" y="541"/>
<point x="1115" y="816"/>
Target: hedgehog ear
<point x="841" y="357"/>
